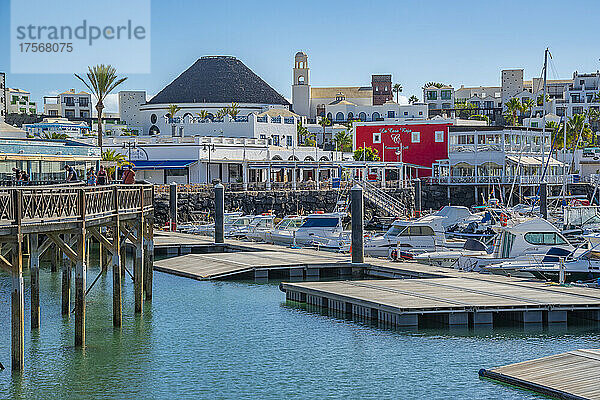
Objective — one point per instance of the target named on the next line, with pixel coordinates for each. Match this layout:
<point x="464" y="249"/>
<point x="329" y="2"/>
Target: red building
<point x="418" y="142"/>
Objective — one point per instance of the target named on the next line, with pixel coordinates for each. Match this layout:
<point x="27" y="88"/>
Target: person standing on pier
<point x="129" y="176"/>
<point x="71" y="174"/>
<point x="101" y="177"/>
<point x="91" y="177"/>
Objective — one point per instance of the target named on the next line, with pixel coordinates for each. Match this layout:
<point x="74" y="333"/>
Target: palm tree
<point x="101" y="80"/>
<point x="302" y="132"/>
<point x="413" y="99"/>
<point x="233" y="110"/>
<point x="527" y="106"/>
<point x="343" y="141"/>
<point x="203" y="115"/>
<point x="324" y="122"/>
<point x="173" y="109"/>
<point x="113" y="156"/>
<point x="55" y="136"/>
<point x="579" y="129"/>
<point x="540" y="99"/>
<point x="594" y="120"/>
<point x="397" y="88"/>
<point x="513" y="106"/>
<point x="221" y="113"/>
<point x="435" y="84"/>
<point x="555" y="129"/>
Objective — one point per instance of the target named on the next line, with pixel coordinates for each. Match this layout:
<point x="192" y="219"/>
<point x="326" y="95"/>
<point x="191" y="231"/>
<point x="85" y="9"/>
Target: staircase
<point x="386" y="203"/>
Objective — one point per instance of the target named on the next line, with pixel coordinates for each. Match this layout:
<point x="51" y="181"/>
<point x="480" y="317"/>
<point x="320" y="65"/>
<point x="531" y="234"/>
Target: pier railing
<point x="54" y="204"/>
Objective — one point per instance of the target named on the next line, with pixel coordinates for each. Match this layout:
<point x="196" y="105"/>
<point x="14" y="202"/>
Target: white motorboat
<point x="283" y="233"/>
<point x="419" y="239"/>
<point x="449" y="258"/>
<point x="583" y="267"/>
<point x="257" y="228"/>
<point x="240" y="223"/>
<point x="316" y="229"/>
<point x="529" y="240"/>
<point x="209" y="229"/>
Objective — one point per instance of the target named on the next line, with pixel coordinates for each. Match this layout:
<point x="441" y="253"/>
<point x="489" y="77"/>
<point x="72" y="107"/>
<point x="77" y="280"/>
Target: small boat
<point x="434" y="229"/>
<point x="316" y="229"/>
<point x="585" y="267"/>
<point x="240" y="223"/>
<point x="529" y="240"/>
<point x="209" y="229"/>
<point x="284" y="231"/>
<point x="258" y="227"/>
<point x="449" y="258"/>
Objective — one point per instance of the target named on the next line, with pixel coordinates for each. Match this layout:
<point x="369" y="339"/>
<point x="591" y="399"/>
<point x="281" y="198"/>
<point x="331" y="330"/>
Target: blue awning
<point x="162" y="164"/>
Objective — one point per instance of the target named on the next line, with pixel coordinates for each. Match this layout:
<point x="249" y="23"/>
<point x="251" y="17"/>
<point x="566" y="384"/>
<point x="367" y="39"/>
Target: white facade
<point x="438" y="98"/>
<point x="50" y="126"/>
<point x="488" y="155"/>
<point x="580" y="95"/>
<point x="18" y="101"/>
<point x="301" y="85"/>
<point x="130" y="102"/>
<point x="69" y="104"/>
<point x="342" y="110"/>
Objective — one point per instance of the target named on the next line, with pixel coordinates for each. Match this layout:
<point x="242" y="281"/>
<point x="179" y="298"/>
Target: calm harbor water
<point x="240" y="340"/>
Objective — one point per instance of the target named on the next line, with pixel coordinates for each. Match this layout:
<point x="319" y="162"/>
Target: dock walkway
<point x="571" y="375"/>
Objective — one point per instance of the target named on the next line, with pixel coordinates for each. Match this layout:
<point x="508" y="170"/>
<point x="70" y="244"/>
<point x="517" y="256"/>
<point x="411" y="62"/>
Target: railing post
<point x="17" y="296"/>
<point x="138" y="262"/>
<point x="80" y="275"/>
<point x="173" y="205"/>
<point x="116" y="263"/>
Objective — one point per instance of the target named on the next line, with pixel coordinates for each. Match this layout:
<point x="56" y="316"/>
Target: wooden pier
<point x="571" y="375"/>
<point x="65" y="219"/>
<point x="451" y="301"/>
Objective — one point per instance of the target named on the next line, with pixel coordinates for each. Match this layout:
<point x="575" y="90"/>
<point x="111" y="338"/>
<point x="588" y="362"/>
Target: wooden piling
<point x="17" y="296"/>
<point x="66" y="281"/>
<point x="35" y="280"/>
<point x="55" y="260"/>
<point x="116" y="264"/>
<point x="138" y="270"/>
<point x="80" y="276"/>
<point x="148" y="257"/>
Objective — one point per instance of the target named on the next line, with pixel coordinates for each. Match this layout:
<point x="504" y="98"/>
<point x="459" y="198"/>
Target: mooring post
<point x="80" y="275"/>
<point x="138" y="262"/>
<point x="66" y="280"/>
<point x="544" y="200"/>
<point x="116" y="263"/>
<point x="418" y="197"/>
<point x="55" y="261"/>
<point x="357" y="225"/>
<point x="219" y="213"/>
<point x="173" y="205"/>
<point x="34" y="260"/>
<point x="149" y="257"/>
<point x="17" y="289"/>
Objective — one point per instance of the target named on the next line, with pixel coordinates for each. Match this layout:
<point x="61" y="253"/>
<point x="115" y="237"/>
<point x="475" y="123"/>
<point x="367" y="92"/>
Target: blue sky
<point x="460" y="42"/>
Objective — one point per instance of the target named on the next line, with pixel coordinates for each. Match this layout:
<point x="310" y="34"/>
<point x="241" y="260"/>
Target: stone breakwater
<point x="195" y="206"/>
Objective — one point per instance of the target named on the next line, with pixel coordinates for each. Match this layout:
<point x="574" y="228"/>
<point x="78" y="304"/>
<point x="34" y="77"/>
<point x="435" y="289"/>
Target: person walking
<point x="71" y="174"/>
<point x="17" y="172"/>
<point x="101" y="177"/>
<point x="129" y="176"/>
<point x="91" y="177"/>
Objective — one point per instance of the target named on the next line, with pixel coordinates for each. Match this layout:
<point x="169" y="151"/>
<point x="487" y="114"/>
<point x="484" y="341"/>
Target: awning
<point x="162" y="164"/>
<point x="534" y="161"/>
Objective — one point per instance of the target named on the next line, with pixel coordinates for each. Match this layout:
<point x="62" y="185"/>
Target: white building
<point x="341" y="110"/>
<point x="580" y="95"/>
<point x="439" y="98"/>
<point x="18" y="101"/>
<point x="496" y="155"/>
<point x="312" y="102"/>
<point x="57" y="126"/>
<point x="69" y="104"/>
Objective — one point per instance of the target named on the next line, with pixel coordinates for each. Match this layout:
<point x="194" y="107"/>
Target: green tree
<point x="527" y="106"/>
<point x="301" y="132"/>
<point x="101" y="80"/>
<point x="343" y="141"/>
<point x="310" y="140"/>
<point x="173" y="109"/>
<point x="479" y="117"/>
<point x="366" y="154"/>
<point x="435" y="84"/>
<point x="203" y="115"/>
<point x="513" y="106"/>
<point x="579" y="130"/>
<point x="233" y="110"/>
<point x="55" y="136"/>
<point x="556" y="131"/>
<point x="397" y="88"/>
<point x="540" y="100"/>
<point x="221" y="113"/>
<point x="413" y="99"/>
<point x="115" y="157"/>
<point x="324" y="122"/>
<point x="465" y="109"/>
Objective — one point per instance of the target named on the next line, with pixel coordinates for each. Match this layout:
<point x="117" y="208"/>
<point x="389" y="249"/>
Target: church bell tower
<point x="301" y="86"/>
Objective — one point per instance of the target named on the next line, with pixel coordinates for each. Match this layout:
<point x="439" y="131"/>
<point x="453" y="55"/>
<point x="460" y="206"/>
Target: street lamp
<point x="210" y="148"/>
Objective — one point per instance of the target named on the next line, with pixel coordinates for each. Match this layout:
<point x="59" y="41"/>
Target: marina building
<point x="18" y="101"/>
<point x="50" y="127"/>
<point x="344" y="103"/>
<point x="3" y="107"/>
<point x="69" y="104"/>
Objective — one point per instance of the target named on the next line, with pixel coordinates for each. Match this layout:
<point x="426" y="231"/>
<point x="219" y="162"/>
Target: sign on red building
<point x="419" y="143"/>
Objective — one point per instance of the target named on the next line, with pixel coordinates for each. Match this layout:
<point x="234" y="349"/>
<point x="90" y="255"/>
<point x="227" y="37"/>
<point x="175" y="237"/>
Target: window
<point x="420" y="112"/>
<point x="362" y="116"/>
<point x="439" y="136"/>
<point x="289" y="141"/>
<point x="320" y="222"/>
<point x="432" y="95"/>
<point x="14" y="100"/>
<point x="375" y="116"/>
<point x="69" y="113"/>
<point x="405" y="112"/>
<point x="262" y="136"/>
<point x="544" y="238"/>
<point x="83" y="102"/>
<point x="69" y="101"/>
<point x="339" y="116"/>
<point x="376" y="137"/>
<point x="416" y="137"/>
<point x="446" y="94"/>
<point x="391" y="114"/>
<point x="534" y="124"/>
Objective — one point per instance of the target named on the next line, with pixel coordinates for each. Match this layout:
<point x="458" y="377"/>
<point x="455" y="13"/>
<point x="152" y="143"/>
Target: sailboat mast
<point x="544" y="111"/>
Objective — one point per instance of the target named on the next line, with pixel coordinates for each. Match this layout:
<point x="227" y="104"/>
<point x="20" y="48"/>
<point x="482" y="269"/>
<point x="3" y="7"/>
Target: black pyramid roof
<point x="218" y="79"/>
